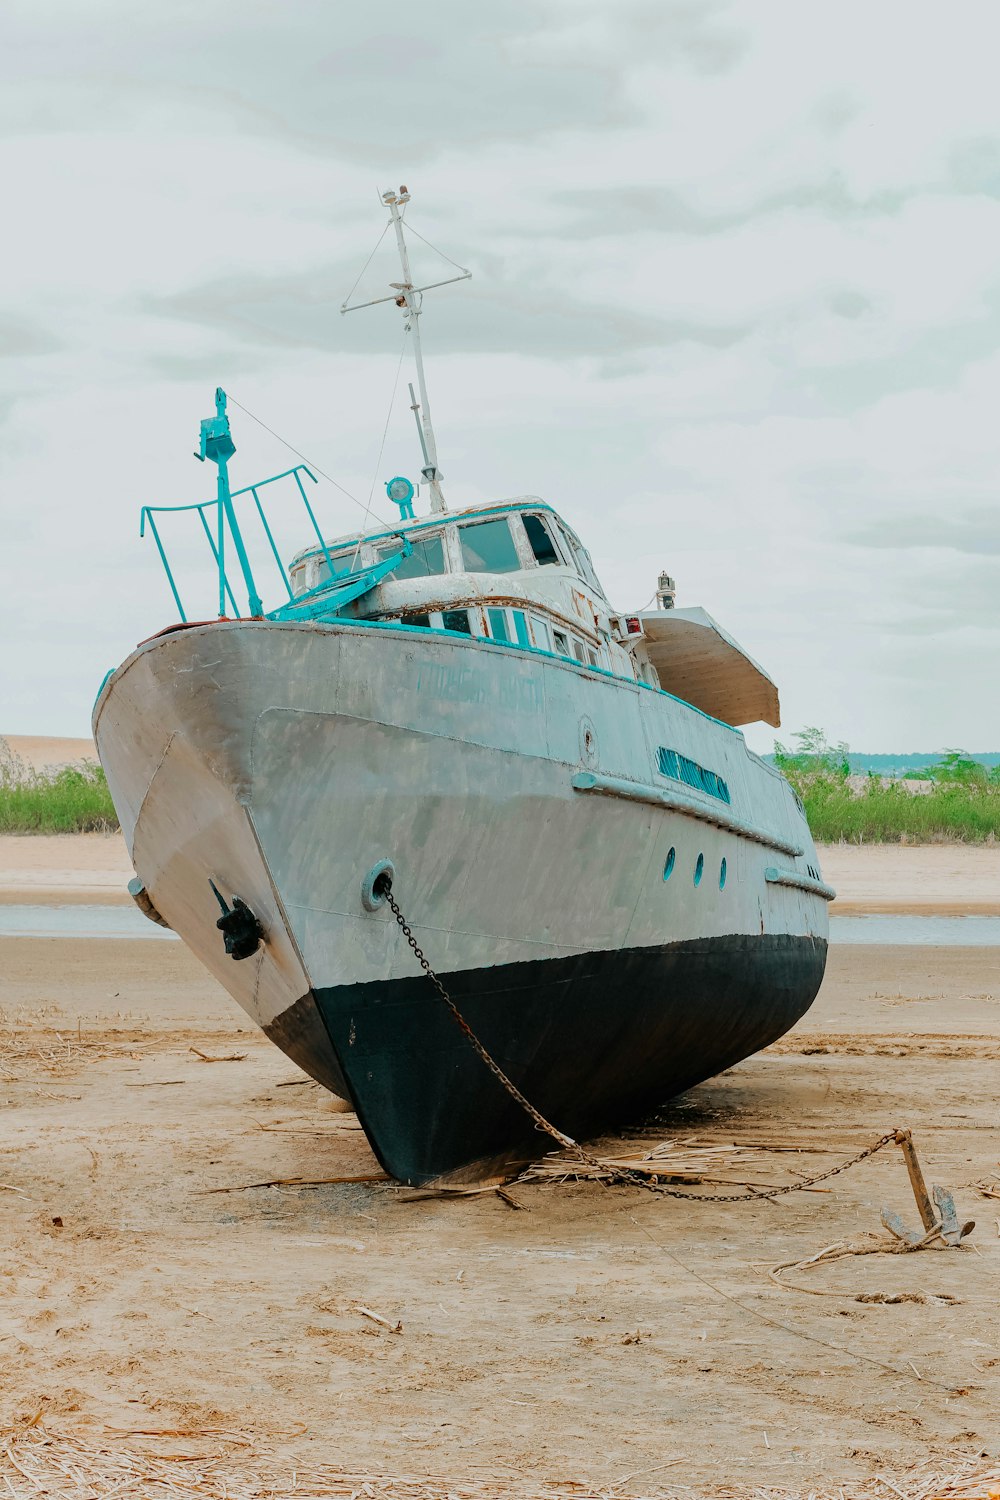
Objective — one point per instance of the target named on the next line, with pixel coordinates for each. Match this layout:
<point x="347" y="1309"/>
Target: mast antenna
<point x="410" y="299"/>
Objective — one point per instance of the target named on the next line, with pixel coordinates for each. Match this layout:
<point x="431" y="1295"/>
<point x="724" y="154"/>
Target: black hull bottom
<point x="591" y="1040"/>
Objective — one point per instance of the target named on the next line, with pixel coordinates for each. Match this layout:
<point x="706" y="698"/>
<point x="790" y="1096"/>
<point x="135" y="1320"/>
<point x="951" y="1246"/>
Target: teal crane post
<point x="218" y="446"/>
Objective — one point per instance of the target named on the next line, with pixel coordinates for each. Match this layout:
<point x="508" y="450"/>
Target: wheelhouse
<point x="512" y="572"/>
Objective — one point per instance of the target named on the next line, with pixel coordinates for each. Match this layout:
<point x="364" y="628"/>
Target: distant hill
<point x="897" y="765"/>
<point x="41" y="752"/>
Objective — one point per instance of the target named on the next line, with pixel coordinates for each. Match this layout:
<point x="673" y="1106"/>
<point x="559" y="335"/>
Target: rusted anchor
<point x="940" y="1219"/>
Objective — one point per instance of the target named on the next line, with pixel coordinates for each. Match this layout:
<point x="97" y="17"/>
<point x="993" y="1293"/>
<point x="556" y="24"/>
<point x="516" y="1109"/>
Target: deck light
<point x="401" y="491"/>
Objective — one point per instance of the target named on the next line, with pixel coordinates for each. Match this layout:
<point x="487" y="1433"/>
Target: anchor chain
<point x="383" y="888"/>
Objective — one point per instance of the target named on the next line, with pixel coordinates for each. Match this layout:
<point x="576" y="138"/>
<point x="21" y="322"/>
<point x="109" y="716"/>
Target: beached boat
<point x="620" y="897"/>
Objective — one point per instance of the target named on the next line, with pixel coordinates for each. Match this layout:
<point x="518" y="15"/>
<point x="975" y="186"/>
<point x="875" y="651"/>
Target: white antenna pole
<point x="409" y="299"/>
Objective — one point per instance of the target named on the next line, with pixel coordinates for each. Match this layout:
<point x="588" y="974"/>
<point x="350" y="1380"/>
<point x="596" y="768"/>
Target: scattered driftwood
<point x="299" y="1182"/>
<point x="510" y="1200"/>
<point x="36" y="1461"/>
<point x="156" y="1083"/>
<point x="458" y="1190"/>
<point x="375" y="1317"/>
<point x="279" y="1128"/>
<point x="229" y="1057"/>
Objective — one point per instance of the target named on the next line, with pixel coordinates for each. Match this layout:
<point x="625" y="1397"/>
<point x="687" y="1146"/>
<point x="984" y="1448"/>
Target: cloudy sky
<point x="735" y="310"/>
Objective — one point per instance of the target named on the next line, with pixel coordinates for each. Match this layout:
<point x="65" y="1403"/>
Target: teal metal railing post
<point x="215" y="553"/>
<point x="163" y="559"/>
<point x="276" y="554"/>
<point x="218" y="446"/>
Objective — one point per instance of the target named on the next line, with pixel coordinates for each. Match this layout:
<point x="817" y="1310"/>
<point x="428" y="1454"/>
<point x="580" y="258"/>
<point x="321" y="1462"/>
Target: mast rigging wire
<point x="431" y="247"/>
<point x="381" y="450"/>
<point x="365" y="266"/>
<point x="299" y="454"/>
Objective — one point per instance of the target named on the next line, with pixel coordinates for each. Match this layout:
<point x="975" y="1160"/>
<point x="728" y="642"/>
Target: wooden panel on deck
<point x="696" y="660"/>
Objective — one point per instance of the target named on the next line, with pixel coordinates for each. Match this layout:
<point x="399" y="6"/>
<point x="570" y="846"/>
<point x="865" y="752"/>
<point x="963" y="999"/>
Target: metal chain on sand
<point x="618" y="1174"/>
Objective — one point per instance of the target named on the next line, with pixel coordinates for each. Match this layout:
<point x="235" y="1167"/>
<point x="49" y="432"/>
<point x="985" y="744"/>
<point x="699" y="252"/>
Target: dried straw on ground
<point x="233" y="1466"/>
<point x="689" y="1160"/>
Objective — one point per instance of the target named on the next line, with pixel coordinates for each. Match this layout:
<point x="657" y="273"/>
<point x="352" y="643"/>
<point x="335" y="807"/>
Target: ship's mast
<point x="410" y="299"/>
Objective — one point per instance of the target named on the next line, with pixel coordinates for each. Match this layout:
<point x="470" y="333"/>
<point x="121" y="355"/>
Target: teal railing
<point x="221" y="526"/>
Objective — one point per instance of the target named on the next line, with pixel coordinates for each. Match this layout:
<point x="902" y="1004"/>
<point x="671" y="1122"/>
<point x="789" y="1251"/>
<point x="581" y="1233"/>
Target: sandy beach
<point x="150" y="1289"/>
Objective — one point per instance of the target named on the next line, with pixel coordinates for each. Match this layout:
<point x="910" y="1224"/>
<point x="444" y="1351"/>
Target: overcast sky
<point x="735" y="311"/>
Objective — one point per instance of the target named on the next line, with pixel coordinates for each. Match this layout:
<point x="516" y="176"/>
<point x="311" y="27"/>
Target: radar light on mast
<point x="410" y="299"/>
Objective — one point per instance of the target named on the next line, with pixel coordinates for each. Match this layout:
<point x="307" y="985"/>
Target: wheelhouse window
<point x="540" y="539"/>
<point x="426" y="559"/>
<point x="581" y="559"/>
<point x="488" y="547"/>
<point x="341" y="564"/>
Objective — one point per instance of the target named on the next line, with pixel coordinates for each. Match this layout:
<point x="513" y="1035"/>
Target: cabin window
<point x="426" y="559"/>
<point x="488" y="547"/>
<point x="456" y="619"/>
<point x="592" y="656"/>
<point x="578" y="651"/>
<point x="424" y="620"/>
<point x="560" y="643"/>
<point x="341" y="564"/>
<point x="498" y="625"/>
<point x="520" y="627"/>
<point x="541" y="541"/>
<point x="540" y="631"/>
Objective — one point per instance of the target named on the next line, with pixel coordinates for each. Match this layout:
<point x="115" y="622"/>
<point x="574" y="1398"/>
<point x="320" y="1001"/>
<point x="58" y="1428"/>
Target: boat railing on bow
<point x="222" y="529"/>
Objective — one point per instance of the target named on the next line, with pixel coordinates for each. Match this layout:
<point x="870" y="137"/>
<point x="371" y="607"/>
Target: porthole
<point x="699" y="869"/>
<point x="668" y="868"/>
<point x="722" y="874"/>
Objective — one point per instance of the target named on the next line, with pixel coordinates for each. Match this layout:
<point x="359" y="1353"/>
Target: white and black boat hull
<point x="521" y="803"/>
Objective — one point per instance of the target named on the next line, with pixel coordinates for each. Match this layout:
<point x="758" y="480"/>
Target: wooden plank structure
<point x="696" y="660"/>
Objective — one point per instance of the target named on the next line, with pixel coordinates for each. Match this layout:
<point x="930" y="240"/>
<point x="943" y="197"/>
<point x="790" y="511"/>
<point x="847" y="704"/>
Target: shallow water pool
<point x="79" y="921"/>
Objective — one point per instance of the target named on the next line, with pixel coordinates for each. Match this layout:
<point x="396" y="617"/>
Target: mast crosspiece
<point x="409" y="299"/>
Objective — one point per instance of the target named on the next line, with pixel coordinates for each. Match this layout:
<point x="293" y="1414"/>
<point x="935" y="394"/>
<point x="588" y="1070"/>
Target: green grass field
<point x="74" y="799"/>
<point x="961" y="806"/>
<point x="889" y="814"/>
